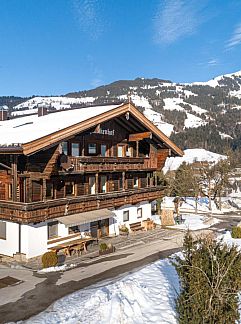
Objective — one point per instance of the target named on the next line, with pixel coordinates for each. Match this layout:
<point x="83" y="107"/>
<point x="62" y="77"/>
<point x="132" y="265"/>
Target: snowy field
<point x="203" y="205"/>
<point x="195" y="222"/>
<point x="146" y="296"/>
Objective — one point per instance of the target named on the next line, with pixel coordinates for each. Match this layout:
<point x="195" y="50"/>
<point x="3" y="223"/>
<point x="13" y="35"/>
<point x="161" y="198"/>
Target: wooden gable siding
<point x="51" y="164"/>
<point x="5" y="181"/>
<point x="140" y="120"/>
<point x="43" y="161"/>
<point x="37" y="190"/>
<point x="162" y="155"/>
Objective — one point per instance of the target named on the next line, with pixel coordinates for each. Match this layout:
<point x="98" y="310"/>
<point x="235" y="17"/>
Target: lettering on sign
<point x="106" y="131"/>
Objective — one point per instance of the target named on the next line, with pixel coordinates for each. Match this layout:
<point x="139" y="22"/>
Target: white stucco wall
<point x="34" y="239"/>
<point x="63" y="230"/>
<point x="10" y="246"/>
<point x="146" y="213"/>
<point x="113" y="227"/>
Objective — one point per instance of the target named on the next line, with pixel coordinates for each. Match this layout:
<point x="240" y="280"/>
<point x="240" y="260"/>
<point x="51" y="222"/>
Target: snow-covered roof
<point x="27" y="129"/>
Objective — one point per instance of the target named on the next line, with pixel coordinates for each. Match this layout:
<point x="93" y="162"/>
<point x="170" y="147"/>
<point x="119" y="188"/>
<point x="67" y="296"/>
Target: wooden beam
<point x="5" y="166"/>
<point x="139" y="136"/>
<point x="14" y="176"/>
<point x="137" y="148"/>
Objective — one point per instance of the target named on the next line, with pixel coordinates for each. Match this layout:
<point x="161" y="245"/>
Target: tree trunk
<point x="220" y="200"/>
<point x="196" y="201"/>
<point x="209" y="201"/>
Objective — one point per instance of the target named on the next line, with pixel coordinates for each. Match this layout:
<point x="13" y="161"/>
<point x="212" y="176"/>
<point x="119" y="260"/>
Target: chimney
<point x="3" y="114"/>
<point x="42" y="111"/>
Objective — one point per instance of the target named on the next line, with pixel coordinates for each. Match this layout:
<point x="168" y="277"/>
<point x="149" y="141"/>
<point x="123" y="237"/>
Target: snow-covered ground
<point x="63" y="267"/>
<point x="202" y="205"/>
<point x="146" y="296"/>
<point x="227" y="239"/>
<point x="195" y="222"/>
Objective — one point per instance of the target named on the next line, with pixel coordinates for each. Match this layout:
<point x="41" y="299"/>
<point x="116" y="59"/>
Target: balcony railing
<point x="43" y="210"/>
<point x="96" y="163"/>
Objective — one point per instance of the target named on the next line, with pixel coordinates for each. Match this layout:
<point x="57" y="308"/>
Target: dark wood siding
<point x="36" y="190"/>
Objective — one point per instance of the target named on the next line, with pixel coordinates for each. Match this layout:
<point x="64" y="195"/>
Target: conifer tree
<point x="210" y="279"/>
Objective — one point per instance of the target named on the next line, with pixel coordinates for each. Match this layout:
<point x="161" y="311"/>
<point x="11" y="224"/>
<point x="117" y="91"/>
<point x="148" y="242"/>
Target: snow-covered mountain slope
<point x="190" y="156"/>
<point x="204" y="114"/>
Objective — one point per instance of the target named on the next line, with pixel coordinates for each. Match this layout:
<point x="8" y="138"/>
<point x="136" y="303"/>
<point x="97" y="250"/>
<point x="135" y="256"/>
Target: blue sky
<point x="52" y="47"/>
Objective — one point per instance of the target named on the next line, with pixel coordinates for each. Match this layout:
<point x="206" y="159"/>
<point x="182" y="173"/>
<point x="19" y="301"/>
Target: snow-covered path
<point x="146" y="296"/>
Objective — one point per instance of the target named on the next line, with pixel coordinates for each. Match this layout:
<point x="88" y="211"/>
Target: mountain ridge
<point x="199" y="114"/>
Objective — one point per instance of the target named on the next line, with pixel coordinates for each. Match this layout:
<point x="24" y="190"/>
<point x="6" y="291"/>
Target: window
<point x="120" y="151"/>
<point x="75" y="149"/>
<point x="65" y="148"/>
<point x="129" y="151"/>
<point x="103" y="150"/>
<point x="49" y="190"/>
<point x="69" y="188"/>
<point x="92" y="148"/>
<point x="52" y="230"/>
<point x="92" y="185"/>
<point x="126" y="216"/>
<point x="3" y="232"/>
<point x="139" y="212"/>
<point x="103" y="184"/>
<point x="74" y="229"/>
<point x="135" y="182"/>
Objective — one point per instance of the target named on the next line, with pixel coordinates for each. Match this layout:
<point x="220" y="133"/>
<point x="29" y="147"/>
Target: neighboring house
<point x="75" y="171"/>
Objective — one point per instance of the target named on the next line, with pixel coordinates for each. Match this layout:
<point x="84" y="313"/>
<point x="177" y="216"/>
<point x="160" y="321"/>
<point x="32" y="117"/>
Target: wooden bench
<point x="67" y="247"/>
<point x="136" y="227"/>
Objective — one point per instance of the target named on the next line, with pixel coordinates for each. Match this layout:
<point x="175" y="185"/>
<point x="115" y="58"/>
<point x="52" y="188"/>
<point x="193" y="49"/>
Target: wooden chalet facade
<point x="85" y="170"/>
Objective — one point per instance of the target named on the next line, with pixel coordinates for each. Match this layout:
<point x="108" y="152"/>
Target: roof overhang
<point x="86" y="217"/>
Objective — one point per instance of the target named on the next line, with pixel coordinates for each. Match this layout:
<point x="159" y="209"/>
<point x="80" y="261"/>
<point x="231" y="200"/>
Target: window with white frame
<point x="65" y="147"/>
<point x="75" y="149"/>
<point x="126" y="216"/>
<point x="103" y="149"/>
<point x="139" y="212"/>
<point x="3" y="230"/>
<point x="52" y="230"/>
<point x="92" y="148"/>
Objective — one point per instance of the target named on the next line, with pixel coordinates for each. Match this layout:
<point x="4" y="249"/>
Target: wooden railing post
<point x="14" y="176"/>
<point x="96" y="183"/>
<point x="123" y="180"/>
<point x="44" y="189"/>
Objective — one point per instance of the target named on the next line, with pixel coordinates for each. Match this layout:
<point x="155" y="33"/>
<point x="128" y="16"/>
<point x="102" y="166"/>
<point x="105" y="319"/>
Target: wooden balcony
<point x="97" y="164"/>
<point x="25" y="213"/>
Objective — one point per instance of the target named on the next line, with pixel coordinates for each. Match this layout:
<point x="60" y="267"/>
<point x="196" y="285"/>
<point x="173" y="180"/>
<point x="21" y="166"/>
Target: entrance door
<point x="104" y="227"/>
<point x="100" y="228"/>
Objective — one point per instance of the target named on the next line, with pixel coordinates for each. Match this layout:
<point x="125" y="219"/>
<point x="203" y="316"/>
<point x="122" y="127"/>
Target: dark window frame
<point x="3" y="230"/>
<point x="126" y="216"/>
<point x="52" y="230"/>
<point x="139" y="209"/>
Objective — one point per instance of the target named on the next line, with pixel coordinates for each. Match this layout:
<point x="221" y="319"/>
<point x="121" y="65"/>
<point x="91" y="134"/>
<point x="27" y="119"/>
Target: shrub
<point x="103" y="246"/>
<point x="124" y="229"/>
<point x="49" y="259"/>
<point x="236" y="232"/>
<point x="210" y="279"/>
